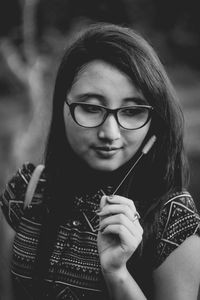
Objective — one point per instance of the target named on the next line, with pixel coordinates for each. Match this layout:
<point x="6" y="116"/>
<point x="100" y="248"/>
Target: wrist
<point x="120" y="274"/>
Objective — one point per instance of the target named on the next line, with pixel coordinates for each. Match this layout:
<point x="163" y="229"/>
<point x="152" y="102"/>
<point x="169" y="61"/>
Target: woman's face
<point x="109" y="146"/>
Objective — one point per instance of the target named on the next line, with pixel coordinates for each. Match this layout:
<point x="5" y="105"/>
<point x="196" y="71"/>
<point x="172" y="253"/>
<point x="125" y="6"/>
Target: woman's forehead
<point x="99" y="79"/>
<point x="98" y="71"/>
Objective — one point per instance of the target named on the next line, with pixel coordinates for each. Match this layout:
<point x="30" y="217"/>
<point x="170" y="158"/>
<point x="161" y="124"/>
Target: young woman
<point x="111" y="217"/>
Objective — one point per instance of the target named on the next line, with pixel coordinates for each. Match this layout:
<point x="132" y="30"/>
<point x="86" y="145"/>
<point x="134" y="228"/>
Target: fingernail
<point x="97" y="211"/>
<point x="99" y="214"/>
<point x="110" y="198"/>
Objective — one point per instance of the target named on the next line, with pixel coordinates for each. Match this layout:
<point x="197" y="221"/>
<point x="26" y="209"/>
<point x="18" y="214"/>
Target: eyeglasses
<point x="92" y="115"/>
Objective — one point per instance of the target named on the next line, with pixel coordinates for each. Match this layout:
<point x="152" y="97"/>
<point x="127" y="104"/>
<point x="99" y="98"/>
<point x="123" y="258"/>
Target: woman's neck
<point x="88" y="178"/>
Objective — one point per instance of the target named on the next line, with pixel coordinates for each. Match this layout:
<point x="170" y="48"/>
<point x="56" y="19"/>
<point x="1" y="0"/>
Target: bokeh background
<point x="33" y="36"/>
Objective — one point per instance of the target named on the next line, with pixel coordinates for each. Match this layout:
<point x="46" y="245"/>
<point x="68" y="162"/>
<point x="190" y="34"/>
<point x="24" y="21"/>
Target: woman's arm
<point x="122" y="286"/>
<point x="178" y="277"/>
<point x="120" y="234"/>
<point x="6" y="240"/>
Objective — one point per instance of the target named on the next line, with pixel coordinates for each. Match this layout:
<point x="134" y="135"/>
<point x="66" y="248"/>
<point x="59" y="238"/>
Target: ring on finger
<point x="136" y="216"/>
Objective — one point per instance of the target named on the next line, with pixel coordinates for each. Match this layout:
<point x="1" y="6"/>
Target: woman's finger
<point x="117" y="209"/>
<point x="127" y="239"/>
<point x="121" y="219"/>
<point x="115" y="199"/>
<point x="103" y="202"/>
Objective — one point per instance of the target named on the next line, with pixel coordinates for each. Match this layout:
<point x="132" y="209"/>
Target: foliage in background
<point x="33" y="35"/>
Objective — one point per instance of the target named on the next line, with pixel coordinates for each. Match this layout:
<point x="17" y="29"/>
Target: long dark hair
<point x="130" y="53"/>
<point x="164" y="168"/>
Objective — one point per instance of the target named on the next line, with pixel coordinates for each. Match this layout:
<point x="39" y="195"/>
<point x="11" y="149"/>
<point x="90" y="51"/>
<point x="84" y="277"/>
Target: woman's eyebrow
<point x="129" y="100"/>
<point x="135" y="100"/>
<point x="87" y="96"/>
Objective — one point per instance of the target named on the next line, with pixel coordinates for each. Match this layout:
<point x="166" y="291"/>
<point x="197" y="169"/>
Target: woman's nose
<point x="110" y="129"/>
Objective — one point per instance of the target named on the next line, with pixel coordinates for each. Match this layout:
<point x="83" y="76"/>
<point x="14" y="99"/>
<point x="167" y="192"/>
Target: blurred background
<point x="33" y="36"/>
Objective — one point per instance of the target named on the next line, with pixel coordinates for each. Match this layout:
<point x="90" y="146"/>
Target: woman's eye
<point x="91" y="108"/>
<point x="131" y="111"/>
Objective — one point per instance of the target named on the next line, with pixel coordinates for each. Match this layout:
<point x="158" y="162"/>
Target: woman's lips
<point x="107" y="152"/>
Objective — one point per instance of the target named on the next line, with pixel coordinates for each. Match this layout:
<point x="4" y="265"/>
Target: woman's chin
<point x="105" y="166"/>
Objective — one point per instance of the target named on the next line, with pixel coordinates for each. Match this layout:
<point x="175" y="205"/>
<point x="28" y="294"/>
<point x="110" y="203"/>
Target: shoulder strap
<point x="32" y="185"/>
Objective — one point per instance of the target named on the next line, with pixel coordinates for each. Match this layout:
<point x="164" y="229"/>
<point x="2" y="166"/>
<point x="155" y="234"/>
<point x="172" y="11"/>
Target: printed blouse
<point x="74" y="269"/>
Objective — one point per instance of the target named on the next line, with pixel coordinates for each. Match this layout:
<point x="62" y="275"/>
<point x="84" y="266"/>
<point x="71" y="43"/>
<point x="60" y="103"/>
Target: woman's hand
<point x="120" y="232"/>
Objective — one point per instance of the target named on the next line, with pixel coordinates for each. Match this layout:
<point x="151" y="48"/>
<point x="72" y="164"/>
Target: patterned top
<point x="74" y="268"/>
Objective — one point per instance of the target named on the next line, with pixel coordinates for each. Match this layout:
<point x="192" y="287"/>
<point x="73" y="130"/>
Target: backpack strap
<point x="32" y="185"/>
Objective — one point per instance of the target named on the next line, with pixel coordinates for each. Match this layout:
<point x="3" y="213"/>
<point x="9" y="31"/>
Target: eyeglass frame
<point x="109" y="111"/>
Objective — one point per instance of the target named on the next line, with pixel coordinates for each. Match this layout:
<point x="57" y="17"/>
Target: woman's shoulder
<point x="180" y="198"/>
<point x="17" y="185"/>
<point x="178" y="219"/>
<point x="13" y="196"/>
